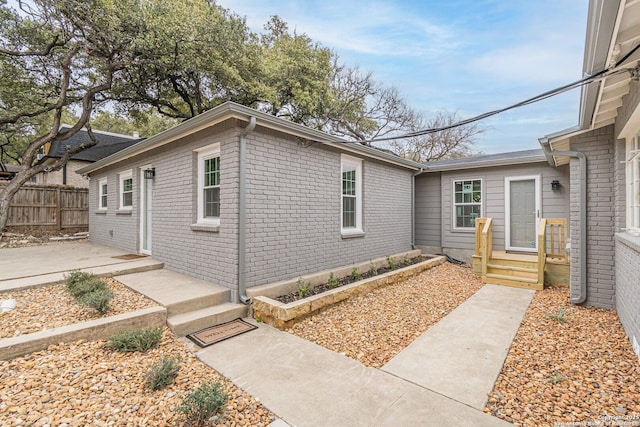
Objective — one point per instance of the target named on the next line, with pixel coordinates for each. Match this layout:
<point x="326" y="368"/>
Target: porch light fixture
<point x="149" y="173"/>
<point x="555" y="185"/>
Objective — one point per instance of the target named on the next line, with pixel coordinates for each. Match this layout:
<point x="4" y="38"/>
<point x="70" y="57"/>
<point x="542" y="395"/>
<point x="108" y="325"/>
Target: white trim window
<point x="209" y="184"/>
<point x="126" y="190"/>
<point x="351" y="200"/>
<point x="102" y="194"/>
<point x="467" y="203"/>
<point x="633" y="184"/>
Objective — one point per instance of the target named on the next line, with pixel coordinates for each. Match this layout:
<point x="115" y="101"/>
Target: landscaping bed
<point x="52" y="306"/>
<point x="355" y="276"/>
<point x="84" y="383"/>
<point x="568" y="364"/>
<point x="373" y="328"/>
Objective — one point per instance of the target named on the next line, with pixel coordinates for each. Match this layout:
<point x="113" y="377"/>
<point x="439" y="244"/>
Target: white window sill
<point x="630" y="239"/>
<point x="101" y="212"/>
<point x="209" y="228"/>
<point x="351" y="234"/>
<point x="124" y="211"/>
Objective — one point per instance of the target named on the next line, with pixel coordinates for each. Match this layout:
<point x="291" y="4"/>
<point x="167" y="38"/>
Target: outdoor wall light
<point x="149" y="173"/>
<point x="555" y="185"/>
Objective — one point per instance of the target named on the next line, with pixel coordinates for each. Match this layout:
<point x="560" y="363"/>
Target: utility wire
<point x="607" y="72"/>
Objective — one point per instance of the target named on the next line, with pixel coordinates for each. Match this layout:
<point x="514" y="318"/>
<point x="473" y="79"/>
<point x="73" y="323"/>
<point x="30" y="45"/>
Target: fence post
<point x="58" y="209"/>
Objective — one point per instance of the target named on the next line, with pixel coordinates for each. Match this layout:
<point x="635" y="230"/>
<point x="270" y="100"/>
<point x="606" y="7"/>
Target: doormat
<point x="129" y="256"/>
<point x="215" y="334"/>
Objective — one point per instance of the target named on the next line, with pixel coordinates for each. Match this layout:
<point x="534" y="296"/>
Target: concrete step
<point x="193" y="321"/>
<point x="177" y="292"/>
<point x="111" y="270"/>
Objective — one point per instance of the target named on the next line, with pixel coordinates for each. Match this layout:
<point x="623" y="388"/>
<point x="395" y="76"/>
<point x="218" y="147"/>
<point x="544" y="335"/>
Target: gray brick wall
<point x="628" y="286"/>
<point x="205" y="255"/>
<point x="293" y="210"/>
<point x="598" y="145"/>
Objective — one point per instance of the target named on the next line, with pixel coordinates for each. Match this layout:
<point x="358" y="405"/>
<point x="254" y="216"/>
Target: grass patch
<point x="136" y="340"/>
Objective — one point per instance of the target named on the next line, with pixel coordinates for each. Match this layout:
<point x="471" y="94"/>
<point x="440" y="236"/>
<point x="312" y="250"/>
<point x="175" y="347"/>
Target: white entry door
<point x="146" y="204"/>
<point x="522" y="212"/>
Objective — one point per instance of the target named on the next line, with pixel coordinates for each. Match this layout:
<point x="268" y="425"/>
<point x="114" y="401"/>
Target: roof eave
<point x="486" y="163"/>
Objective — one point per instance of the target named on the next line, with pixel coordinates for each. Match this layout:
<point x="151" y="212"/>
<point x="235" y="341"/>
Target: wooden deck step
<point x="514" y="278"/>
<point x="533" y="270"/>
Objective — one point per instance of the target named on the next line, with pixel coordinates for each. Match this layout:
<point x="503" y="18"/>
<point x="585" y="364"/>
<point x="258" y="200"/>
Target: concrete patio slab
<point x="308" y="385"/>
<point x="462" y="355"/>
<point x="39" y="260"/>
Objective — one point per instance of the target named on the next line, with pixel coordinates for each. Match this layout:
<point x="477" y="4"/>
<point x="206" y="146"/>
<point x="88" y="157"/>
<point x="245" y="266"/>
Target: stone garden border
<point x="283" y="316"/>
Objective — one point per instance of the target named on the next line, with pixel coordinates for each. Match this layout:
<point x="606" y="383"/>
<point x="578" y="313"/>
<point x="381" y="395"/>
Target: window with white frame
<point x="467" y="203"/>
<point x="209" y="184"/>
<point x="351" y="219"/>
<point x="633" y="184"/>
<point x="126" y="190"/>
<point x="102" y="194"/>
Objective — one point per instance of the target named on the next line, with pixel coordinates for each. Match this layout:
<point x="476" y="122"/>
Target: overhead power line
<point x="608" y="72"/>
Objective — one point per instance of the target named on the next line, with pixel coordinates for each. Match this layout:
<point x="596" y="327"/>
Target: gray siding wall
<point x="598" y="145"/>
<point x="210" y="256"/>
<point x="293" y="210"/>
<point x="428" y="212"/>
<point x="555" y="204"/>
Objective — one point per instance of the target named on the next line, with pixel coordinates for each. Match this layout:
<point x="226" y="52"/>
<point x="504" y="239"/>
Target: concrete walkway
<point x="441" y="379"/>
<point x="462" y="355"/>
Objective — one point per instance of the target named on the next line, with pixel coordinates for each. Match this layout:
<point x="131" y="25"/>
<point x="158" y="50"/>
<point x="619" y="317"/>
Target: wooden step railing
<point x="556" y="246"/>
<point x="542" y="249"/>
<point x="486" y="241"/>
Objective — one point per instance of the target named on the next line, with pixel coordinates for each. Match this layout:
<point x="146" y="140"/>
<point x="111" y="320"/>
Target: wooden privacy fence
<point x="49" y="206"/>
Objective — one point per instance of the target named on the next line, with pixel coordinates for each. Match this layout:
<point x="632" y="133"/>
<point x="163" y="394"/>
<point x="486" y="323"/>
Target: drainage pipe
<point x="242" y="292"/>
<point x="582" y="202"/>
<point x="413" y="207"/>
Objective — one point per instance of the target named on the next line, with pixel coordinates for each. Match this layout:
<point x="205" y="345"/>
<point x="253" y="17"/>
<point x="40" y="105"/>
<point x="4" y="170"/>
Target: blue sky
<point x="469" y="56"/>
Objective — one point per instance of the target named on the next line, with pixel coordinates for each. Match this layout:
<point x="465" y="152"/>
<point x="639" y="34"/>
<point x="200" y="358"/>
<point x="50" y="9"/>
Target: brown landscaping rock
<point x="51" y="306"/>
<point x="373" y="328"/>
<point x="578" y="371"/>
<point x="82" y="383"/>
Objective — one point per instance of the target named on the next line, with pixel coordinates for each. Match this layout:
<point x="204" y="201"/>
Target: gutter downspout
<point x="241" y="212"/>
<point x="413" y="207"/>
<point x="582" y="202"/>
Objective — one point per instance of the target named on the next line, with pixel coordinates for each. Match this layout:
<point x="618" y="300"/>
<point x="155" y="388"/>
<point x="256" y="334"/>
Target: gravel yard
<point x="375" y="327"/>
<point x="578" y="371"/>
<point x="51" y="306"/>
<point x="84" y="384"/>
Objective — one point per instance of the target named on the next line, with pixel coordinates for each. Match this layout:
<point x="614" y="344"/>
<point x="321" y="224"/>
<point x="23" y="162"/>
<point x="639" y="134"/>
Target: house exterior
<point x="515" y="189"/>
<point x="603" y="153"/>
<point x="108" y="143"/>
<point x="240" y="198"/>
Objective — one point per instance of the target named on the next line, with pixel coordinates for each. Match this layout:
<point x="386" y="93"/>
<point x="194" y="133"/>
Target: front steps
<point x="516" y="270"/>
<point x="191" y="304"/>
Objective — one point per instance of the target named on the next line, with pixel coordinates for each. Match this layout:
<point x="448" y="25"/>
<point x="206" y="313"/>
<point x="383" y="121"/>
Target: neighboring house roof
<point x="108" y="143"/>
<point x="612" y="33"/>
<point x="230" y="110"/>
<point x="8" y="171"/>
<point x="501" y="159"/>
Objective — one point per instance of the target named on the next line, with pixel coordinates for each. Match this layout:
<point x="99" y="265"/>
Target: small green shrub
<point x="333" y="281"/>
<point x="355" y="274"/>
<point x="391" y="263"/>
<point x="202" y="403"/>
<point x="80" y="283"/>
<point x="162" y="374"/>
<point x="557" y="378"/>
<point x="98" y="299"/>
<point x="304" y="288"/>
<point x="559" y="315"/>
<point x="136" y="340"/>
<point x="406" y="260"/>
<point x="373" y="270"/>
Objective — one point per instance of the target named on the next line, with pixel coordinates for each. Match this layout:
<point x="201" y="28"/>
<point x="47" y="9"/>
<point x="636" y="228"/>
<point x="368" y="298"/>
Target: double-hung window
<point x="209" y="184"/>
<point x="467" y="203"/>
<point x="126" y="190"/>
<point x="351" y="219"/>
<point x="102" y="194"/>
<point x="633" y="184"/>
